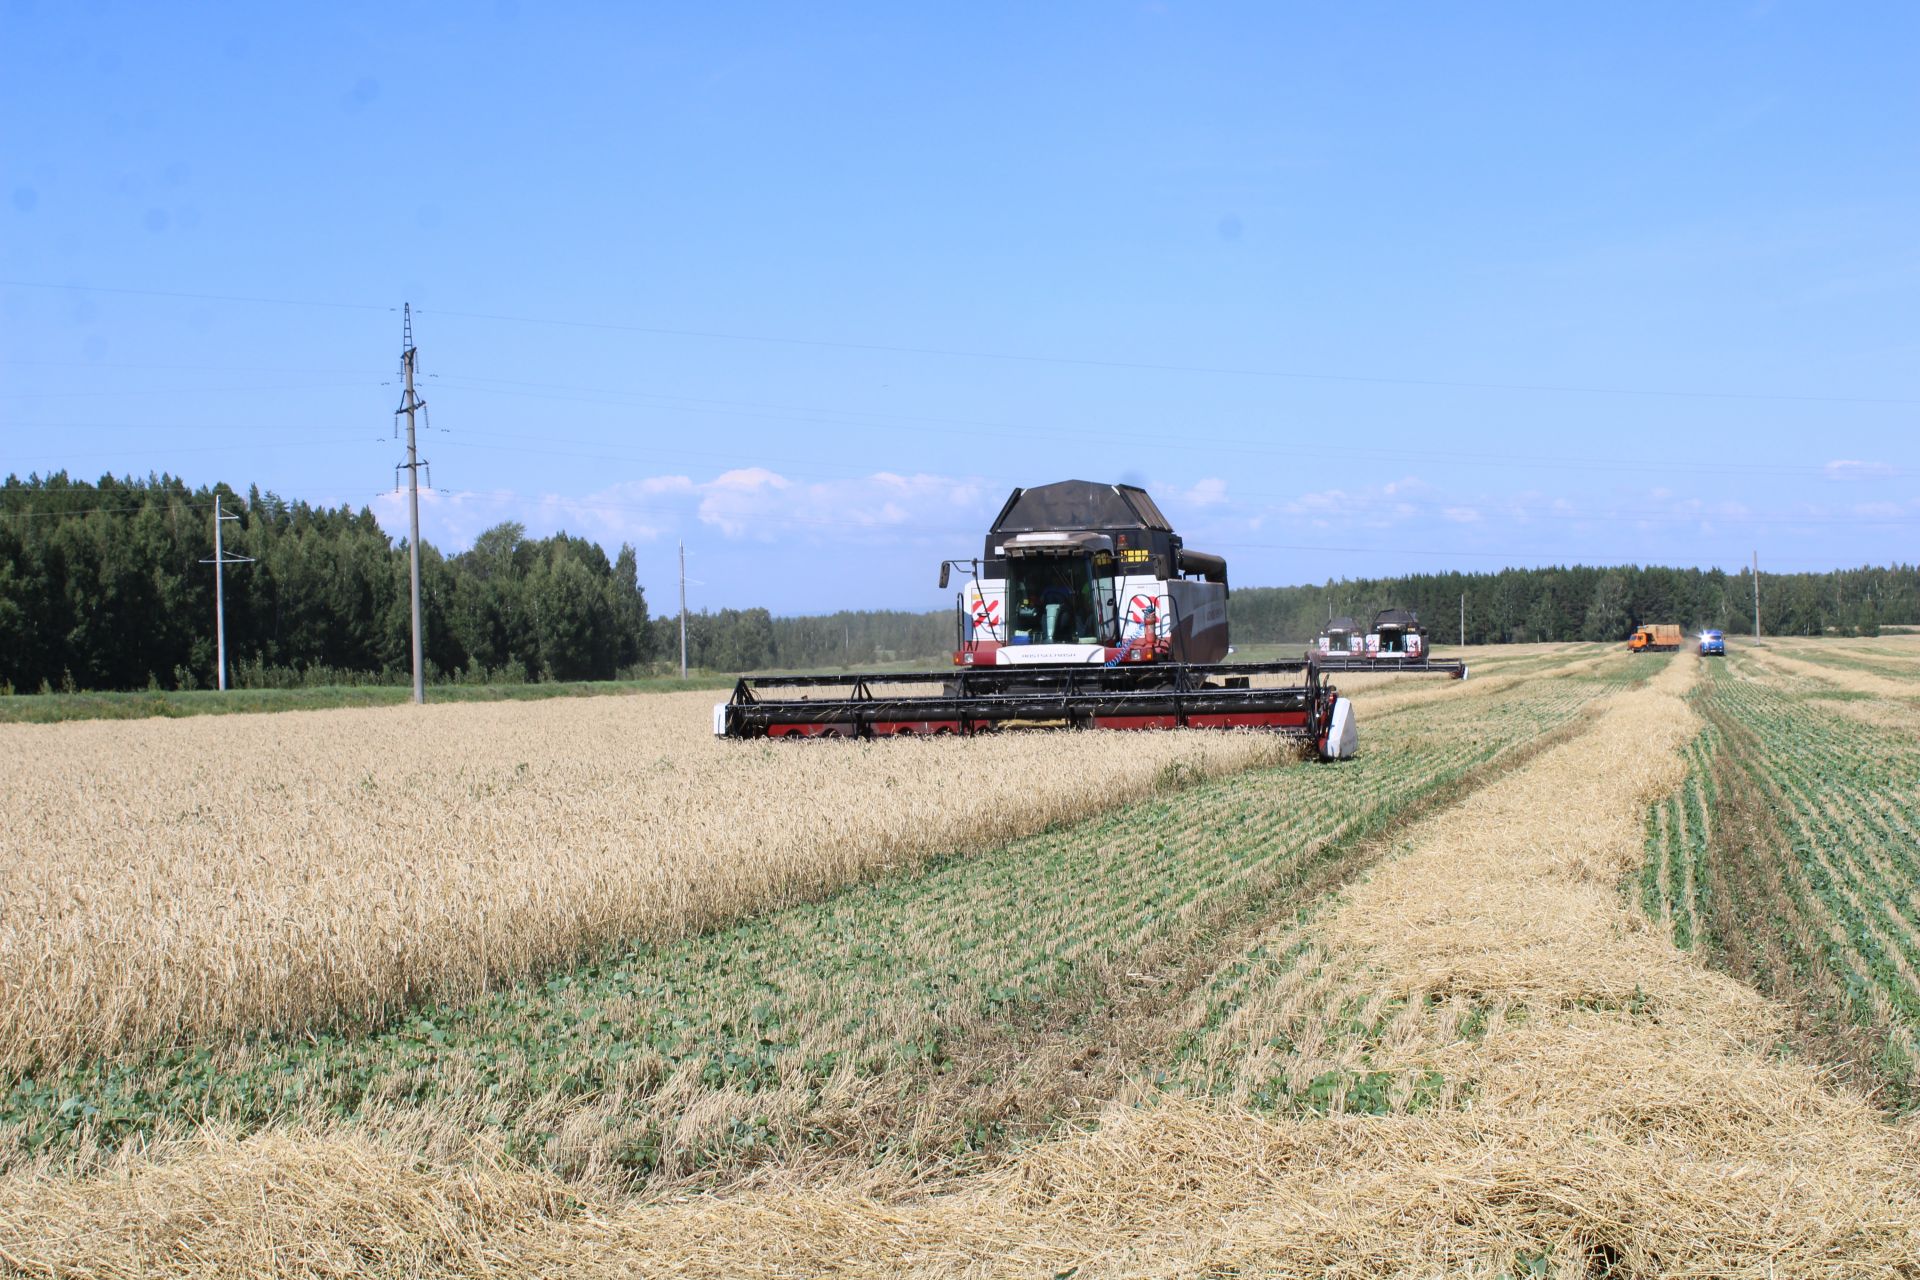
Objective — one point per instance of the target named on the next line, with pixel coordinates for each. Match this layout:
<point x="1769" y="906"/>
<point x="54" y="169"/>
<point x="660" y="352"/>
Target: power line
<point x="635" y="457"/>
<point x="1326" y="445"/>
<point x="1568" y="557"/>
<point x="1344" y="509"/>
<point x="1225" y="545"/>
<point x="198" y="297"/>
<point x="96" y="511"/>
<point x="1028" y="430"/>
<point x="184" y="368"/>
<point x="166" y="391"/>
<point x="1161" y="367"/>
<point x="1477" y="461"/>
<point x="202" y="448"/>
<point x="1006" y="356"/>
<point x="563" y="504"/>
<point x="1374" y="507"/>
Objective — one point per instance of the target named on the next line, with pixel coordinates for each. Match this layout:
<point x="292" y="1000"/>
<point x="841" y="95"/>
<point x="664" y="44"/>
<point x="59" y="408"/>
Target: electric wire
<point x="1004" y="356"/>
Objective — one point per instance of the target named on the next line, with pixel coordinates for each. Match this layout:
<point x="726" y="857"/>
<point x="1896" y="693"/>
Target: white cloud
<point x="632" y="511"/>
<point x="1856" y="469"/>
<point x="747" y="478"/>
<point x="1372" y="508"/>
<point x="753" y="504"/>
<point x="1206" y="493"/>
<point x="766" y="506"/>
<point x="1461" y="515"/>
<point x="449" y="520"/>
<point x="741" y="500"/>
<point x="1885" y="510"/>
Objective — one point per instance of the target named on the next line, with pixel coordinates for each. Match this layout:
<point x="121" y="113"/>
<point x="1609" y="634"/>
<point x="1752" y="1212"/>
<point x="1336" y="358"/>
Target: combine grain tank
<point x="1084" y="609"/>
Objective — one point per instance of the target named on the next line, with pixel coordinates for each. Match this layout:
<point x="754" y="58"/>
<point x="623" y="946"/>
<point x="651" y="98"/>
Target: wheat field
<point x="1606" y="1105"/>
<point x="177" y="880"/>
<point x="1404" y="1016"/>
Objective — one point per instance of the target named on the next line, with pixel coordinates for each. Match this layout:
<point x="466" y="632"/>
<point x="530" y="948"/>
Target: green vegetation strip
<point x="835" y="1026"/>
<point x="1802" y="821"/>
<point x="1676" y="885"/>
<point x="1886" y="664"/>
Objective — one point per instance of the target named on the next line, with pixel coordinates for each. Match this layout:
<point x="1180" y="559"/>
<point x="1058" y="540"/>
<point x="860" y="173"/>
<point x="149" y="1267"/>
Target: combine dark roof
<point x="1342" y="623"/>
<point x="1402" y="618"/>
<point x="1079" y="504"/>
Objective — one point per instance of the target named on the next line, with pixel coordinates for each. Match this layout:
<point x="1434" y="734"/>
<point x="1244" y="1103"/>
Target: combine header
<point x="1085" y="610"/>
<point x="1396" y="642"/>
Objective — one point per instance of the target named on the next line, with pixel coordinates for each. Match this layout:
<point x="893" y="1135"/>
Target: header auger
<point x="1084" y="610"/>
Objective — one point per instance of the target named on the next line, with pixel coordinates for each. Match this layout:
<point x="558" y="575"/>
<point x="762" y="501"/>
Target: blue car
<point x="1713" y="644"/>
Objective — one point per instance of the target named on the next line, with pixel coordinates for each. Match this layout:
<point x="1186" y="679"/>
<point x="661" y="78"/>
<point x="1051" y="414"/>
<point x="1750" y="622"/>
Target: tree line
<point x="103" y="586"/>
<point x="1580" y="602"/>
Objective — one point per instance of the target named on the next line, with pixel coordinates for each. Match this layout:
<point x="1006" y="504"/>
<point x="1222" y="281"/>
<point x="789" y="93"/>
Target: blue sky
<point x="1354" y="289"/>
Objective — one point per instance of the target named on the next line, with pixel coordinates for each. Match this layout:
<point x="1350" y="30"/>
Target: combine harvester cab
<point x="1085" y="610"/>
<point x="1395" y="643"/>
<point x="1081" y="573"/>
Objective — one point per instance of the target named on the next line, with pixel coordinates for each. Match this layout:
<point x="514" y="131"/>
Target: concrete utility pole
<point x="409" y="405"/>
<point x="1756" y="595"/>
<point x="1463" y="619"/>
<point x="221" y="559"/>
<point x="683" y="611"/>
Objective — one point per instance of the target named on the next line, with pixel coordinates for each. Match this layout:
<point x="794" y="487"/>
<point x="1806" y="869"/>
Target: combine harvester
<point x="1396" y="642"/>
<point x="1086" y="611"/>
<point x="1343" y="638"/>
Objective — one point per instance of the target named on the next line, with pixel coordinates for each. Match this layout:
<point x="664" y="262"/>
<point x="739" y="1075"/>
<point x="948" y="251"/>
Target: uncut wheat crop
<point x="168" y="881"/>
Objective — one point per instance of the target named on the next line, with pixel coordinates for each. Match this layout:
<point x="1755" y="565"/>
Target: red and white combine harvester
<point x="1396" y="642"/>
<point x="1084" y="610"/>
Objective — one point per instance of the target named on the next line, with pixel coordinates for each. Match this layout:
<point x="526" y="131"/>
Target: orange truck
<point x="1657" y="637"/>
